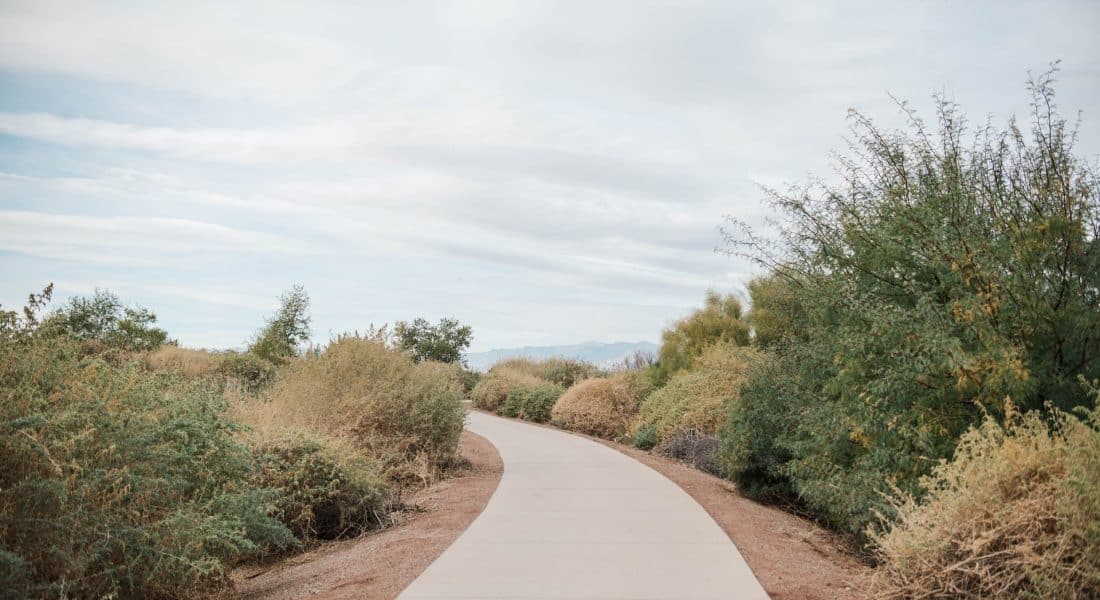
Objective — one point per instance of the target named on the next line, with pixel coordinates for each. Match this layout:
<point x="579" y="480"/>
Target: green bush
<point x="115" y="482"/>
<point x="532" y="403"/>
<point x="940" y="276"/>
<point x="249" y="369"/>
<point x="323" y="489"/>
<point x="645" y="438"/>
<point x="1015" y="514"/>
<point x="753" y="453"/>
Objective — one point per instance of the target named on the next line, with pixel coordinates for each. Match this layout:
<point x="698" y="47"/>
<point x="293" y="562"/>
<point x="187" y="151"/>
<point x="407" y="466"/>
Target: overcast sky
<point x="546" y="172"/>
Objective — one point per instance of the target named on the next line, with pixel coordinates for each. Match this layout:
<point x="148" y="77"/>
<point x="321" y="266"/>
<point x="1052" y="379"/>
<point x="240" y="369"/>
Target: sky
<point x="546" y="172"/>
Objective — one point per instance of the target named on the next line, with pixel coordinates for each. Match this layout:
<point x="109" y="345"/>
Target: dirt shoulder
<point x="382" y="564"/>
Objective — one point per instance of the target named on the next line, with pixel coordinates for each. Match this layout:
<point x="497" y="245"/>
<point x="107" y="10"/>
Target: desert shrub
<point x="185" y="361"/>
<point x="252" y="371"/>
<point x="698" y="399"/>
<point x="720" y="320"/>
<point x="324" y="489"/>
<point x="645" y="437"/>
<point x="492" y="389"/>
<point x="532" y="403"/>
<point x="115" y="482"/>
<point x="939" y="276"/>
<point x="372" y="395"/>
<point x="601" y="406"/>
<point x="1015" y="514"/>
<point x="753" y="452"/>
<point x="694" y="447"/>
<point x="469" y="380"/>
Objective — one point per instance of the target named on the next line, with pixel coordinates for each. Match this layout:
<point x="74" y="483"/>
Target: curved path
<point x="572" y="518"/>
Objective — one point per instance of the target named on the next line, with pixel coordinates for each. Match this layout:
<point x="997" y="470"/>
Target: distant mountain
<point x="599" y="353"/>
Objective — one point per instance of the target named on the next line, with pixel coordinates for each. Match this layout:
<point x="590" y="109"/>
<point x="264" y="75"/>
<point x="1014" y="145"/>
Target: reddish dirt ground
<point x="382" y="564"/>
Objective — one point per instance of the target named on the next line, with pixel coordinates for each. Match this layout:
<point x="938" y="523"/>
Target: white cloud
<point x="129" y="240"/>
<point x="497" y="159"/>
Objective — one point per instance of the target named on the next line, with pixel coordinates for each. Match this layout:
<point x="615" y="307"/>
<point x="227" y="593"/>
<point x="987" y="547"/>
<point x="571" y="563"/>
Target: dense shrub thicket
<point x="117" y="482"/>
<point x="406" y="415"/>
<point x="132" y="472"/>
<point x="939" y="278"/>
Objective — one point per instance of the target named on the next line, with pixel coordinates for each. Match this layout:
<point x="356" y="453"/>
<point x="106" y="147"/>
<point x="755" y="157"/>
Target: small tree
<point x="279" y="339"/>
<point x="444" y="342"/>
<point x="720" y="320"/>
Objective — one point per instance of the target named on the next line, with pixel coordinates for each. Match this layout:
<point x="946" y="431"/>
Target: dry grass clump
<point x="406" y="415"/>
<point x="696" y="399"/>
<point x="1015" y="514"/>
<point x="185" y="361"/>
<point x="493" y="388"/>
<point x="601" y="406"/>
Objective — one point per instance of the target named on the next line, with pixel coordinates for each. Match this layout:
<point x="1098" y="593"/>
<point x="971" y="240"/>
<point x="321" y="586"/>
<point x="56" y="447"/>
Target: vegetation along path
<point x="572" y="518"/>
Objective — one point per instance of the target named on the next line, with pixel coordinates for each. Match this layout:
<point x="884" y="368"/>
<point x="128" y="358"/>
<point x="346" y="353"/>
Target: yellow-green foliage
<point x="493" y="388"/>
<point x="697" y="399"/>
<point x="185" y="361"/>
<point x="720" y="320"/>
<point x="602" y="406"/>
<point x="775" y="313"/>
<point x="374" y="396"/>
<point x="1015" y="514"/>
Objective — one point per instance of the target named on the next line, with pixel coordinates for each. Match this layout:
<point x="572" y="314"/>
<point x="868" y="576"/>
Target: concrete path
<point x="575" y="519"/>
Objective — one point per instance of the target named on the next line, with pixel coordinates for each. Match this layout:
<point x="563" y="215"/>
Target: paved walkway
<point x="575" y="519"/>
